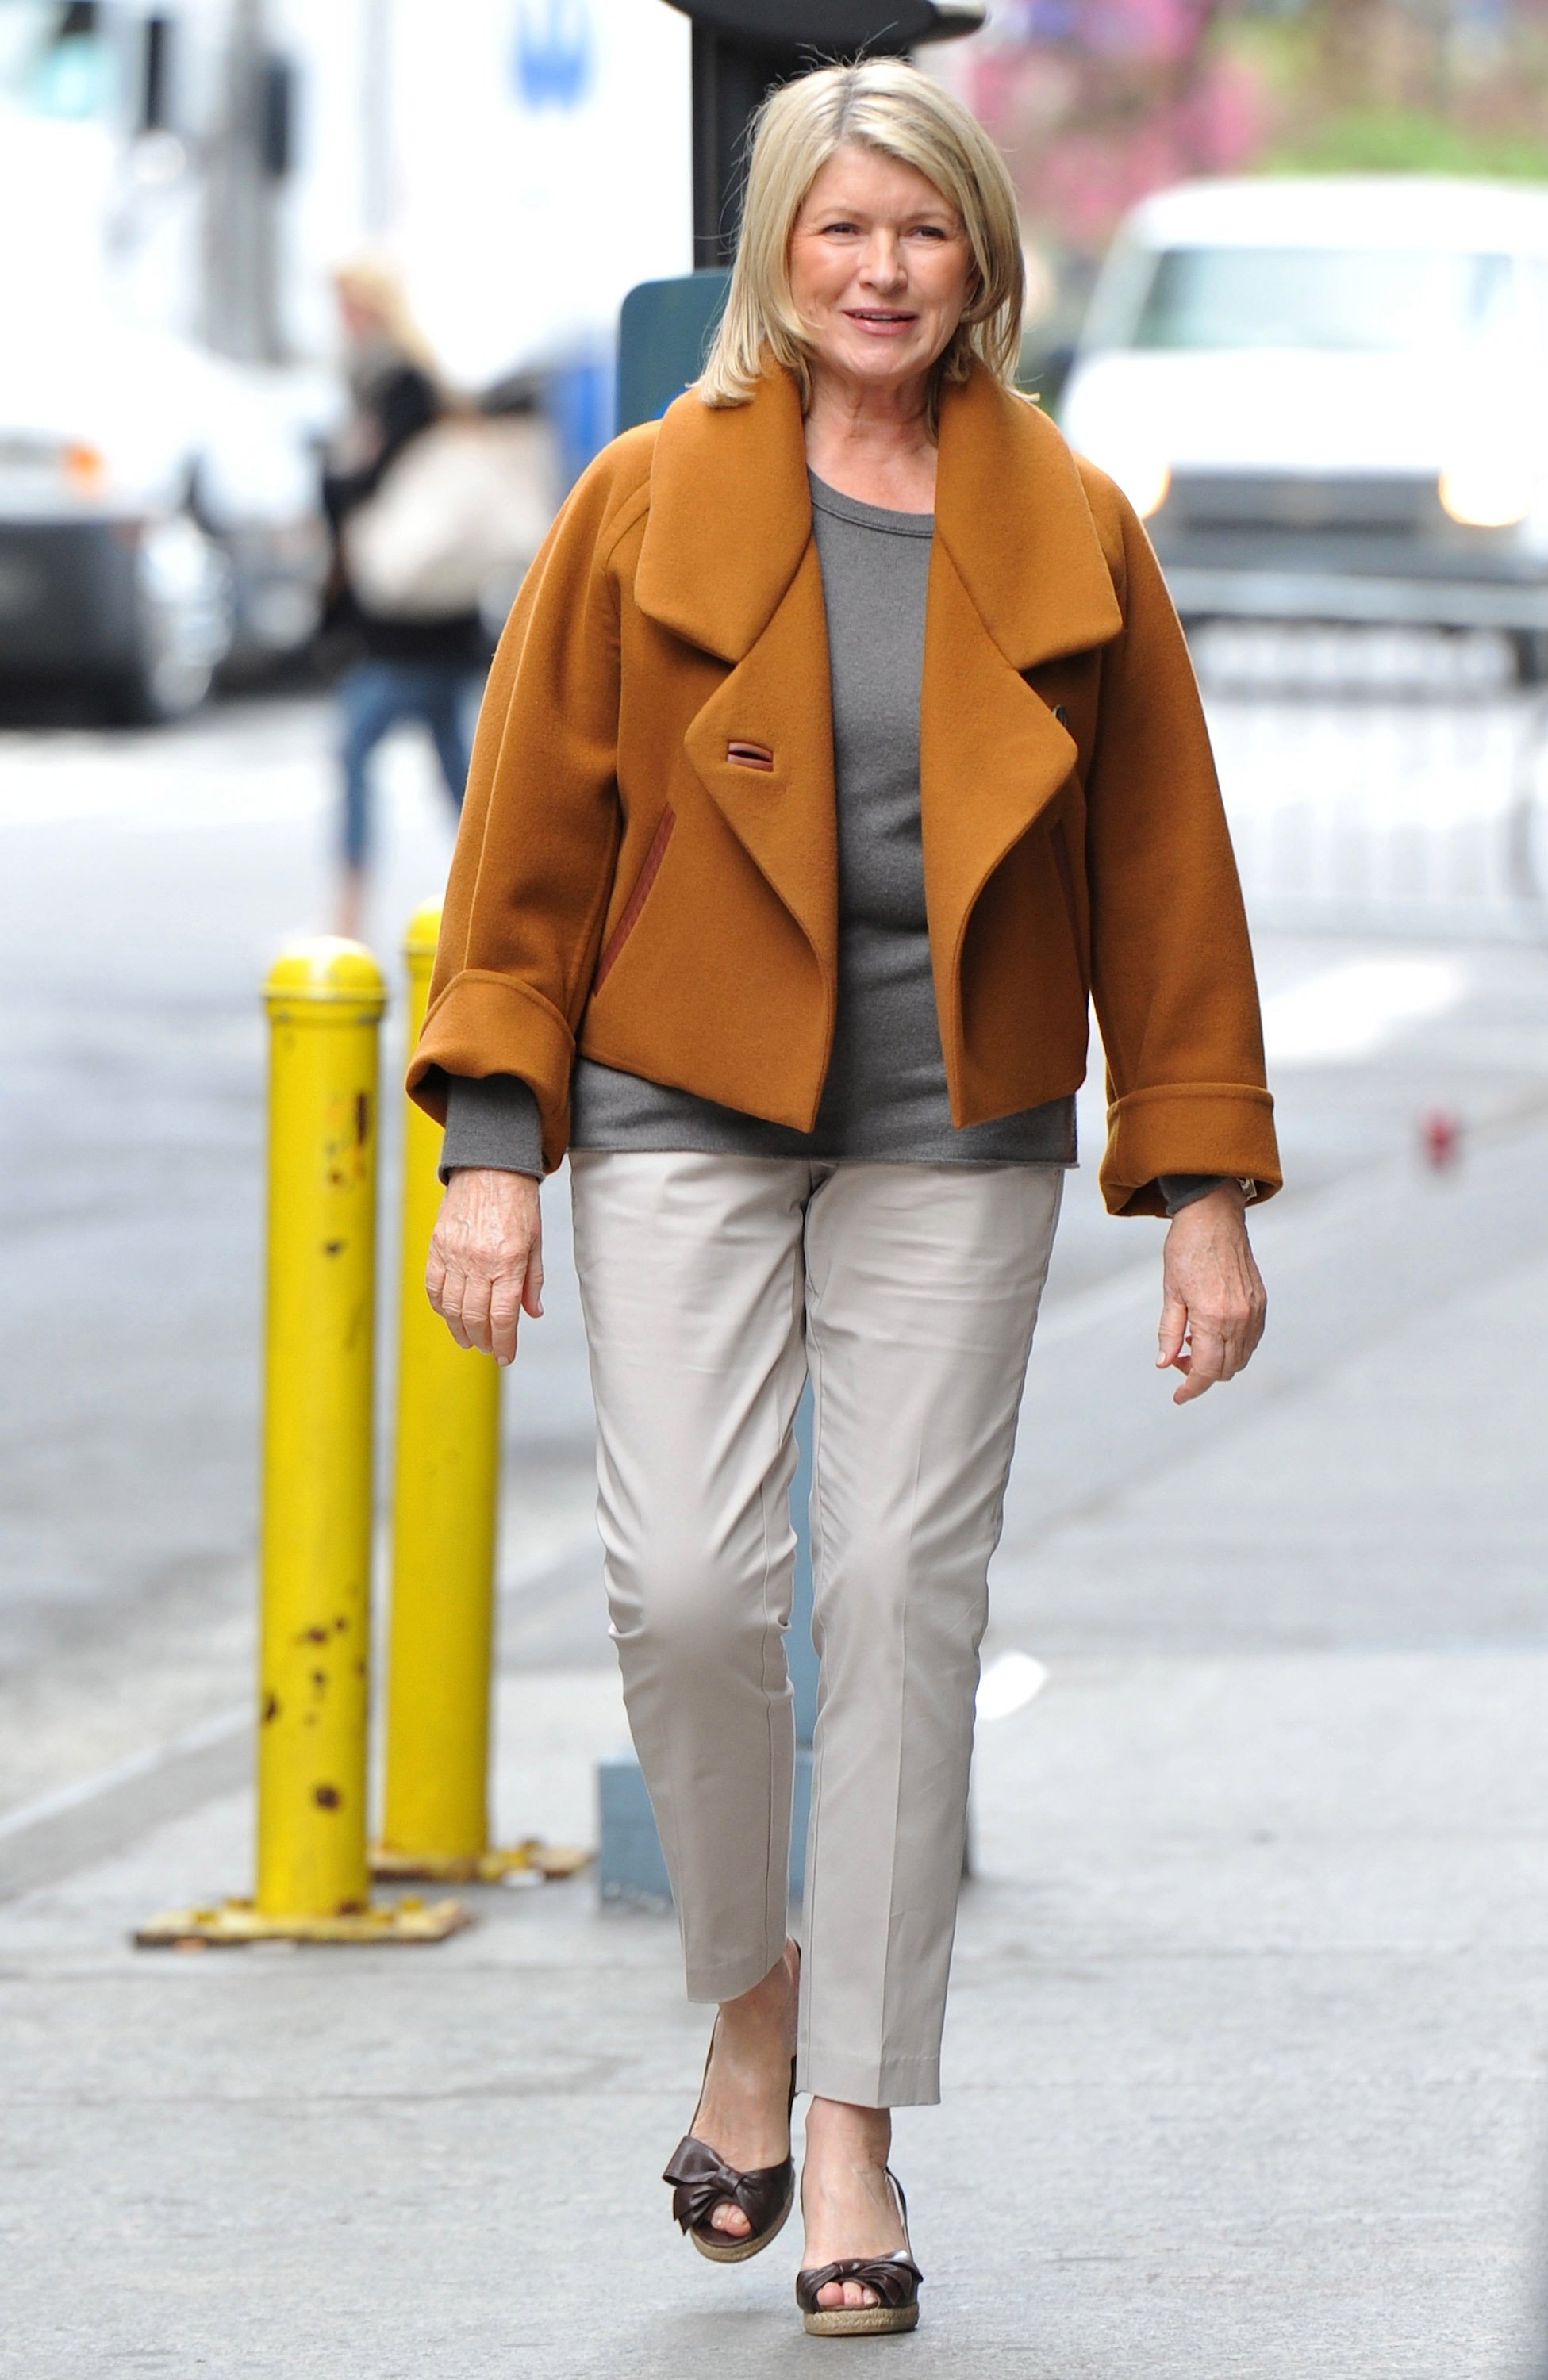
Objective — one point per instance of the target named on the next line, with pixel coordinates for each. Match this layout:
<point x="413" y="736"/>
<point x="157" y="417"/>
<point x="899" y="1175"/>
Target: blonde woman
<point x="426" y="668"/>
<point x="842" y="740"/>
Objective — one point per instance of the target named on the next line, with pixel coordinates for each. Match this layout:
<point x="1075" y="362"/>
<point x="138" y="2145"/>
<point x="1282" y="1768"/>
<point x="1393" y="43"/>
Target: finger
<point x="1233" y="1336"/>
<point x="1172" y="1330"/>
<point x="435" y="1279"/>
<point x="475" y="1313"/>
<point x="450" y="1310"/>
<point x="1206" y="1365"/>
<point x="505" y="1312"/>
<point x="532" y="1288"/>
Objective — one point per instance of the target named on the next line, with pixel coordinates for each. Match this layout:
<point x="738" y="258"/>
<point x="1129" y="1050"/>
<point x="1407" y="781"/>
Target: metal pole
<point x="325" y="1005"/>
<point x="240" y="296"/>
<point x="729" y="86"/>
<point x="446" y="1490"/>
<point x="324" y="1000"/>
<point x="376" y="130"/>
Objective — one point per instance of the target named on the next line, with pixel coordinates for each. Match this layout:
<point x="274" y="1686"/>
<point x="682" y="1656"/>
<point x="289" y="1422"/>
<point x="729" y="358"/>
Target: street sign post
<point x="741" y="48"/>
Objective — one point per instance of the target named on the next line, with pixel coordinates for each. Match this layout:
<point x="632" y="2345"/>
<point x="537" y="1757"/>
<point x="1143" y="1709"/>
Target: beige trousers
<point x="711" y="1285"/>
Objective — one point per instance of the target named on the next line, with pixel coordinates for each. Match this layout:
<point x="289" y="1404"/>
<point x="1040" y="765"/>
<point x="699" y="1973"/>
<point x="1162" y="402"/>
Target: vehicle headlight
<point x="1144" y="481"/>
<point x="83" y="467"/>
<point x="1486" y="491"/>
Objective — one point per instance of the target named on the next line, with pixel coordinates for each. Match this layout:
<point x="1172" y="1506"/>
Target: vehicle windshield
<point x="55" y="60"/>
<point x="1378" y="301"/>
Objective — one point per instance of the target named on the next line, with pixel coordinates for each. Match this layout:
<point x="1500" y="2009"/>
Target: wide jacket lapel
<point x="727" y="562"/>
<point x="762" y="747"/>
<point x="730" y="517"/>
<point x="1017" y="577"/>
<point x="991" y="757"/>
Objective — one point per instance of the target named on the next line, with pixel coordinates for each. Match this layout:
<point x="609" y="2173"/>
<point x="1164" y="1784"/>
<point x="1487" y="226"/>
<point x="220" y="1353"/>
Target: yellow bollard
<point x="446" y="1487"/>
<point x="326" y="999"/>
<point x="446" y="1493"/>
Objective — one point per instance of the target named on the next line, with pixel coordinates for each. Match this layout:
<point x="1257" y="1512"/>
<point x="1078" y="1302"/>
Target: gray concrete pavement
<point x="1245" y="2061"/>
<point x="150" y="879"/>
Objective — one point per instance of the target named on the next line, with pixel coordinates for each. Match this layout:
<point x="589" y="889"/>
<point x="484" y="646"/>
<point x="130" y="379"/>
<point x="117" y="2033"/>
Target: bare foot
<point x="742" y="2112"/>
<point x="847" y="2201"/>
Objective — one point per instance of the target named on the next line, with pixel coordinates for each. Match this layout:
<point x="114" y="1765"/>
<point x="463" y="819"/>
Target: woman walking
<point x="424" y="666"/>
<point x="841" y="742"/>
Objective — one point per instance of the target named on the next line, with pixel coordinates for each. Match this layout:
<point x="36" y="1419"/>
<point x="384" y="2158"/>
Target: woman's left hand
<point x="1213" y="1297"/>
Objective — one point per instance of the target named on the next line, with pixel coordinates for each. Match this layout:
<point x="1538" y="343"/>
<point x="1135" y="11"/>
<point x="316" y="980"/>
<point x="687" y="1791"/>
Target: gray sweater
<point x="884" y="1097"/>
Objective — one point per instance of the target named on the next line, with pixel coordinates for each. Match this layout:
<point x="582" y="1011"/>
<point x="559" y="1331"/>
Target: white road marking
<point x="201" y="1738"/>
<point x="1008" y="1684"/>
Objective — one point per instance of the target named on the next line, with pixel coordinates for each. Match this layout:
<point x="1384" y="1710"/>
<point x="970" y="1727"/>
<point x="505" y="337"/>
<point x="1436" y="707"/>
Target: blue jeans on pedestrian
<point x="374" y="696"/>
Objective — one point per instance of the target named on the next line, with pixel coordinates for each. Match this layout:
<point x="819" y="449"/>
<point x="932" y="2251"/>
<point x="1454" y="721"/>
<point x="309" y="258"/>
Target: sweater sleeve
<point x="535" y="852"/>
<point x="1180" y="1190"/>
<point x="491" y="1119"/>
<point x="1172" y="972"/>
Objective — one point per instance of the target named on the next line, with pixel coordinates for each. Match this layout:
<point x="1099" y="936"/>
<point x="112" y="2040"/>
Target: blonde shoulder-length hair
<point x="882" y="104"/>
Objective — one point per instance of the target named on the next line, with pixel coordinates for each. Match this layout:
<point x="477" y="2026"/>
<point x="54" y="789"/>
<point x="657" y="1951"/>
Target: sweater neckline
<point x="839" y="506"/>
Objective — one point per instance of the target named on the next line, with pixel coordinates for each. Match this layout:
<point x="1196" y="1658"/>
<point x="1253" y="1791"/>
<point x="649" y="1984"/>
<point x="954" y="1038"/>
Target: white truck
<point x="157" y="498"/>
<point x="1328" y="396"/>
<point x="176" y="180"/>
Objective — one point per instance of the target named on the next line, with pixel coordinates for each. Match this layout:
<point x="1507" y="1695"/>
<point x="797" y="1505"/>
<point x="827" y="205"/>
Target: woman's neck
<point x="871" y="443"/>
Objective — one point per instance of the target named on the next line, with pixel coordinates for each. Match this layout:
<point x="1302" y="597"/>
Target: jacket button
<point x="1061" y="714"/>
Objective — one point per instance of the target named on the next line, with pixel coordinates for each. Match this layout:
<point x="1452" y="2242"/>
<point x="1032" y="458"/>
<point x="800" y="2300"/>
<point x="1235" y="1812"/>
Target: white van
<point x="1328" y="396"/>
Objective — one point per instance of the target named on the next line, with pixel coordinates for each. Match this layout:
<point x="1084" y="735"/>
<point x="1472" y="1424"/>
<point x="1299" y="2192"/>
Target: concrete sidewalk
<point x="1246" y="2066"/>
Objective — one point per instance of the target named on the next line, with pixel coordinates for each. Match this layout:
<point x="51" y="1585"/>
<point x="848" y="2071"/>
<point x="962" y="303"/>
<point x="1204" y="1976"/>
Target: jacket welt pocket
<point x="637" y="898"/>
<point x="1059" y="844"/>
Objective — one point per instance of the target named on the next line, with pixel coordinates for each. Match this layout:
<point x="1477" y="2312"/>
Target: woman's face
<point x="879" y="269"/>
<point x="361" y="321"/>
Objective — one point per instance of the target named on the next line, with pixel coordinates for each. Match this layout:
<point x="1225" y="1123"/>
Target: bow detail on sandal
<point x="704" y="2182"/>
<point x="896" y="2280"/>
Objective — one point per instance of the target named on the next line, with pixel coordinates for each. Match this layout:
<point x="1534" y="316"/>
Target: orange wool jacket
<point x="646" y="868"/>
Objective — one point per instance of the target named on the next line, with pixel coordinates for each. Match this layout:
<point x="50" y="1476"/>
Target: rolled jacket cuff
<point x="1225" y="1129"/>
<point x="485" y="1024"/>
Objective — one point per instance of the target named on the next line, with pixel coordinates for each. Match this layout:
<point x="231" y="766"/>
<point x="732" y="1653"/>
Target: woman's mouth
<point x="880" y="318"/>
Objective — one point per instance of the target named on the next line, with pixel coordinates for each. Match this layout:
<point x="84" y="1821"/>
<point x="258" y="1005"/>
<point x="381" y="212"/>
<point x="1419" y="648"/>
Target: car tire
<point x="1531" y="655"/>
<point x="182" y="628"/>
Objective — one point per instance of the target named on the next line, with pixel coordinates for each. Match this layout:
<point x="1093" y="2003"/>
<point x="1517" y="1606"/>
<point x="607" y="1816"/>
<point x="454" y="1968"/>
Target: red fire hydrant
<point x="1441" y="1138"/>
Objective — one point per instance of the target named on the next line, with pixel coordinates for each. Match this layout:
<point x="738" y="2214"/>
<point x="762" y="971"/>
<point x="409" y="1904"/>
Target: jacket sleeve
<point x="533" y="866"/>
<point x="1172" y="974"/>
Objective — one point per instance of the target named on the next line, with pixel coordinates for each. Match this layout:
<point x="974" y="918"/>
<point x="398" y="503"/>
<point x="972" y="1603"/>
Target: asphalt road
<point x="1245" y="2058"/>
<point x="150" y="879"/>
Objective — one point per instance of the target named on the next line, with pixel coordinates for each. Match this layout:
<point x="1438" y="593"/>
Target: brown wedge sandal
<point x="896" y="2280"/>
<point x="702" y="2181"/>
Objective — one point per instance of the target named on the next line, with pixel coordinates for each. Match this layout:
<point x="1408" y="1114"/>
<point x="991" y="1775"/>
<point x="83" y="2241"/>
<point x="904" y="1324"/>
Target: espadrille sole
<point x="858" y="2322"/>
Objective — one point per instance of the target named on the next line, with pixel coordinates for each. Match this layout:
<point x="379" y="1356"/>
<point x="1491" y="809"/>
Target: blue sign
<point x="555" y="61"/>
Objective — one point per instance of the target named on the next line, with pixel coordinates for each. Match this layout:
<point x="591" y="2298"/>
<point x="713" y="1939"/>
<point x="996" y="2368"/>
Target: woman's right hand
<point x="486" y="1258"/>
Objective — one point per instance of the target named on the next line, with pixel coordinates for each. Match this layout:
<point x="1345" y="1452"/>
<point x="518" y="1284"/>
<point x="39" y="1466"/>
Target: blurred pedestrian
<point x="414" y="661"/>
<point x="843" y="742"/>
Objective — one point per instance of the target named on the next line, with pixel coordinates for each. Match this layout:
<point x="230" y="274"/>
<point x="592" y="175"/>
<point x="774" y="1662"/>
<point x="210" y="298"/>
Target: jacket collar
<point x="731" y="517"/>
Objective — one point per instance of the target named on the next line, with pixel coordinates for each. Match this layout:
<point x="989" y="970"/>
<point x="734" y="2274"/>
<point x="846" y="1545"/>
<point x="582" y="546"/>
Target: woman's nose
<point x="882" y="263"/>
